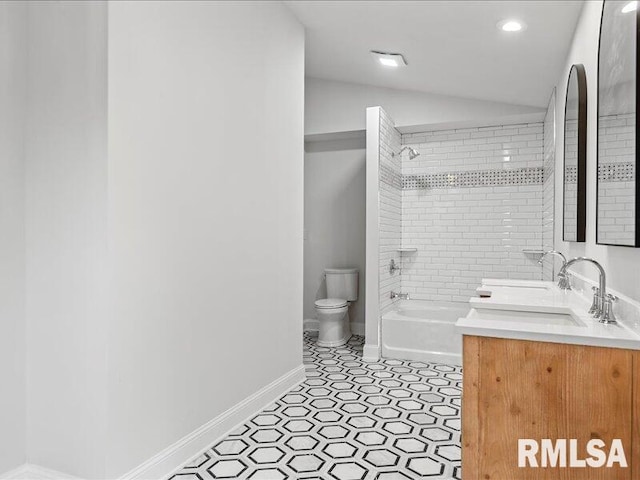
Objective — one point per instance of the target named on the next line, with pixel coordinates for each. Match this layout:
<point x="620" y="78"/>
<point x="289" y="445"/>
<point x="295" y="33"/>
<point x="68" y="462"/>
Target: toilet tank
<point x="342" y="283"/>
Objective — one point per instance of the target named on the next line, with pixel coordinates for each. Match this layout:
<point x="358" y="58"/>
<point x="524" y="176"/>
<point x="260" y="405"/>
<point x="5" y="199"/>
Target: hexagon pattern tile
<point x="350" y="420"/>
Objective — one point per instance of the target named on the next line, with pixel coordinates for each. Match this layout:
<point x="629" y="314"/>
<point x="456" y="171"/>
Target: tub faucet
<point x="563" y="278"/>
<point x="402" y="296"/>
<point x="602" y="305"/>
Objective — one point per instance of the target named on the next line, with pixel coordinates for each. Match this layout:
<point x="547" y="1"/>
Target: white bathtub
<point x="423" y="331"/>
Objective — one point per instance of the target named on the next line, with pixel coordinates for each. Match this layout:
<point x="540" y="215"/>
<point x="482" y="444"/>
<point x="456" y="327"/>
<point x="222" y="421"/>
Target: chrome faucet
<point x="402" y="296"/>
<point x="602" y="305"/>
<point x="563" y="278"/>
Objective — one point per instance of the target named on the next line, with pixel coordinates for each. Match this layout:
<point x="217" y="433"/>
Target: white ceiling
<point x="452" y="47"/>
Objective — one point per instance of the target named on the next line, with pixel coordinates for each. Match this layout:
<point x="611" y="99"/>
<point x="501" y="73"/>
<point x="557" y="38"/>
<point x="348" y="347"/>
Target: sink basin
<point x="488" y="290"/>
<point x="539" y="311"/>
<point x="511" y="282"/>
<point x="520" y="287"/>
<point x="513" y="316"/>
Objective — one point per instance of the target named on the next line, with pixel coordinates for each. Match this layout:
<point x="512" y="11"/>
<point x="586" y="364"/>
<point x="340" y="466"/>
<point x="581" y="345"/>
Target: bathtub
<point x="423" y="331"/>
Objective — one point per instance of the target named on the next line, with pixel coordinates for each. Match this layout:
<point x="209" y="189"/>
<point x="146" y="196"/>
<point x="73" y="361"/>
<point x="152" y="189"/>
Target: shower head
<point x="413" y="153"/>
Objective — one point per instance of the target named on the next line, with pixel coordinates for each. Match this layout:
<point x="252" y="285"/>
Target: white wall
<point x="66" y="236"/>
<point x="332" y="106"/>
<point x="371" y="351"/>
<point x="383" y="222"/>
<point x="13" y="54"/>
<point x="163" y="280"/>
<point x="205" y="213"/>
<point x="619" y="262"/>
<point x="334" y="220"/>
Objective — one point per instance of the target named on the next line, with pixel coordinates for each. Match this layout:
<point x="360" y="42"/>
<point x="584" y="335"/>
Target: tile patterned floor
<point x="350" y="420"/>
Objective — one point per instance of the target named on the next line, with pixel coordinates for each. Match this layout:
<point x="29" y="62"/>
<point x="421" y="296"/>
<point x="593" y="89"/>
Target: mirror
<point x="617" y="215"/>
<point x="575" y="157"/>
<point x="549" y="185"/>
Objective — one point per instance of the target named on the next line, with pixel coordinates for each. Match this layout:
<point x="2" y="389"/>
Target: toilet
<point x="333" y="312"/>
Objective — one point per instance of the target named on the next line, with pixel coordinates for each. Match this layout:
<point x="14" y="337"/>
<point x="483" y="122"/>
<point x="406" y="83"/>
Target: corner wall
<point x="371" y="351"/>
<point x="390" y="189"/>
<point x="384" y="221"/>
<point x="618" y="262"/>
<point x="163" y="227"/>
<point x="205" y="214"/>
<point x="13" y="75"/>
<point x="66" y="221"/>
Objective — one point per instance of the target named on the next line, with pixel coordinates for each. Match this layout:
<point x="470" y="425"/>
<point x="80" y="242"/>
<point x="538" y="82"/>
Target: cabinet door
<point x="635" y="434"/>
<point x="542" y="390"/>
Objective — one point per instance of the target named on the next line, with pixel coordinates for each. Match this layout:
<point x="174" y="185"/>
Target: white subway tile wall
<point x="478" y="227"/>
<point x="548" y="186"/>
<point x="616" y="179"/>
<point x="570" y="182"/>
<point x="390" y="209"/>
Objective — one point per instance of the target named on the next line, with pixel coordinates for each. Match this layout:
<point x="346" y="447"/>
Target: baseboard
<point x="194" y="444"/>
<point x="371" y="353"/>
<point x="311" y="325"/>
<point x="15" y="473"/>
<point x="35" y="472"/>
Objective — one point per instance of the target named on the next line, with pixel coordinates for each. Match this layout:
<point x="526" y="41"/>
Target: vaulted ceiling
<point x="452" y="47"/>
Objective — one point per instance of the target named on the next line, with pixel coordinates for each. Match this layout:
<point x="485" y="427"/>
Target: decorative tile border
<point x="571" y="174"/>
<point x="474" y="178"/>
<point x="608" y="172"/>
<point x="617" y="172"/>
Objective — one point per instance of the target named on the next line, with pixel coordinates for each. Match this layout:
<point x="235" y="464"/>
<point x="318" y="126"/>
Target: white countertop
<point x="552" y="315"/>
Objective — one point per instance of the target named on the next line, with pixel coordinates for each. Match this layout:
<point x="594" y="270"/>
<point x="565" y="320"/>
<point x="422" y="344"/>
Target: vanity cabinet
<point x="515" y="389"/>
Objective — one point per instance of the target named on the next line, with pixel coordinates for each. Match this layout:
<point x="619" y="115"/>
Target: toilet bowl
<point x="333" y="320"/>
<point x="333" y="312"/>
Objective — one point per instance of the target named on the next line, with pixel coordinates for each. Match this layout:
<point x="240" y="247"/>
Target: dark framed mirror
<point x="575" y="157"/>
<point x="617" y="201"/>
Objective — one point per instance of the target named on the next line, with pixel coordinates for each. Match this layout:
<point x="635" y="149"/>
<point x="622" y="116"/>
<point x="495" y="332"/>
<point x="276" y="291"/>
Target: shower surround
<point x="471" y="204"/>
<point x="475" y="203"/>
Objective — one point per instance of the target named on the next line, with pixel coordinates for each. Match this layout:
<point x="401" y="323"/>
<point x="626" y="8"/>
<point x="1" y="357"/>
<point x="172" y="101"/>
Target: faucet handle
<point x="564" y="280"/>
<point x="608" y="316"/>
<point x="596" y="305"/>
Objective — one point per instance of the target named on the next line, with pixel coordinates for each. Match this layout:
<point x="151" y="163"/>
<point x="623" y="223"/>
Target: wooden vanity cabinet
<point x="514" y="389"/>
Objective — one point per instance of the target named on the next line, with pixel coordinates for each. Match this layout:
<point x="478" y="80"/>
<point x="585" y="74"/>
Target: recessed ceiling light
<point x="630" y="7"/>
<point x="511" y="26"/>
<point x="389" y="59"/>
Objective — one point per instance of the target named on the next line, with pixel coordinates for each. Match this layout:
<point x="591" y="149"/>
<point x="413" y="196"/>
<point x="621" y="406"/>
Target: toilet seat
<point x="331" y="303"/>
